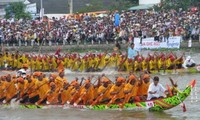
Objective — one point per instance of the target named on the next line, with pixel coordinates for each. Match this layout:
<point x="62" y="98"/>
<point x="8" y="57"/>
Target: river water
<point x="192" y="105"/>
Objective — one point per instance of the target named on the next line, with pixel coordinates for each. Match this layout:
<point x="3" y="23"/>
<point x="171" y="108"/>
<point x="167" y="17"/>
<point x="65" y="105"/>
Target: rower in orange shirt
<point x="76" y="90"/>
<point x="10" y="90"/>
<point x="60" y="79"/>
<point x="103" y="91"/>
<point x="130" y="89"/>
<point x="42" y="86"/>
<point x="65" y="92"/>
<point x="143" y="86"/>
<point x="33" y="94"/>
<point x="86" y="94"/>
<point x="52" y="77"/>
<point x="3" y="88"/>
<point x="60" y="65"/>
<point x="52" y="95"/>
<point x="116" y="91"/>
<point x="29" y="87"/>
<point x="20" y="86"/>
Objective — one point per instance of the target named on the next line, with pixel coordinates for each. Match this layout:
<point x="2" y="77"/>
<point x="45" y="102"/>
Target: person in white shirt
<point x="189" y="62"/>
<point x="22" y="72"/>
<point x="132" y="52"/>
<point x="156" y="89"/>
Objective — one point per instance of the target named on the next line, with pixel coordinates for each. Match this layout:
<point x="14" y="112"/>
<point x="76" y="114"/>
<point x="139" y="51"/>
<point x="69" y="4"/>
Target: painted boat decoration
<point x="152" y="105"/>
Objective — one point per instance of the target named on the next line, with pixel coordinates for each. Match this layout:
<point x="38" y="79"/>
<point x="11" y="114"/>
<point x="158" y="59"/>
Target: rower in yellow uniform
<point x="1" y="61"/>
<point x="92" y="63"/>
<point x="19" y="62"/>
<point x="45" y="66"/>
<point x="129" y="64"/>
<point x="152" y="63"/>
<point x="54" y="64"/>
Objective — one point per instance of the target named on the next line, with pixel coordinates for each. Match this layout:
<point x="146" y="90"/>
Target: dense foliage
<point x="119" y="5"/>
<point x="177" y="4"/>
<point x="17" y="10"/>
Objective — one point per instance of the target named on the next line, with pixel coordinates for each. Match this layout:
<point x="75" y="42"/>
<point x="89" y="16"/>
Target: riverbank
<point x="90" y="47"/>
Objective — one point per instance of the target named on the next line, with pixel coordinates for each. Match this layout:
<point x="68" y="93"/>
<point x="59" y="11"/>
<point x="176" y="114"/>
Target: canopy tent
<point x="141" y="7"/>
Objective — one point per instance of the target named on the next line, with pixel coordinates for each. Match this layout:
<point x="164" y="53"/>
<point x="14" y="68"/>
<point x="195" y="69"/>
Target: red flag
<point x="58" y="51"/>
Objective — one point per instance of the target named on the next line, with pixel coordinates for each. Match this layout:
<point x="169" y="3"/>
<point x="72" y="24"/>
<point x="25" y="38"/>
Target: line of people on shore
<point x="55" y="89"/>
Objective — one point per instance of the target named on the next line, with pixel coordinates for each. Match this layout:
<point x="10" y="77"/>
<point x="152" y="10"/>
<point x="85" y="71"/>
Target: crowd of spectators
<point x="91" y="28"/>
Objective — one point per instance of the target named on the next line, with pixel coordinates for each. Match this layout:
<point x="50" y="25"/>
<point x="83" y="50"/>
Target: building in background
<point x="144" y="2"/>
<point x="31" y="8"/>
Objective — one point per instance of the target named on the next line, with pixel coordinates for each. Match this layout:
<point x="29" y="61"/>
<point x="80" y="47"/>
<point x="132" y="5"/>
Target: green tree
<point x="123" y="4"/>
<point x="134" y="1"/>
<point x="176" y="4"/>
<point x="93" y="5"/>
<point x="17" y="9"/>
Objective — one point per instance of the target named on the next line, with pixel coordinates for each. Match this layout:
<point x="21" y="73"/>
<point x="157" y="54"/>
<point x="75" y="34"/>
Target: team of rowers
<point x="55" y="89"/>
<point x="91" y="62"/>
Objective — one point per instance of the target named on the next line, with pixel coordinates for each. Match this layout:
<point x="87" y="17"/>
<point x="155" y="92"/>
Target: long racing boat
<point x="152" y="105"/>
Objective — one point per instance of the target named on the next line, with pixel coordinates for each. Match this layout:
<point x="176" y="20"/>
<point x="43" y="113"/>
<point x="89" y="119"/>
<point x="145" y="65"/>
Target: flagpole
<point x="71" y="6"/>
<point x="41" y="10"/>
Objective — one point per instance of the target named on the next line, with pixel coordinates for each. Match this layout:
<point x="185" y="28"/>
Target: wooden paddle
<point x="6" y="88"/>
<point x="47" y="95"/>
<point x="81" y="97"/>
<point x="100" y="96"/>
<point x="74" y="95"/>
<point x="71" y="68"/>
<point x="79" y="65"/>
<point x="37" y="88"/>
<point x="121" y="64"/>
<point x="174" y="85"/>
<point x="164" y="66"/>
<point x="77" y="91"/>
<point x="25" y="93"/>
<point x="183" y="104"/>
<point x="105" y="65"/>
<point x="103" y="75"/>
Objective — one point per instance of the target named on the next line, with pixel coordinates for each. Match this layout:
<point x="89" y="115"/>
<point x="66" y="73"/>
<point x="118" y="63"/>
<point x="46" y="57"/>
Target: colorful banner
<point x="150" y="43"/>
